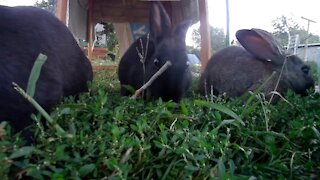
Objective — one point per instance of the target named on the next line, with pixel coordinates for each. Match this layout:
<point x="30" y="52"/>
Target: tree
<point x="48" y="5"/>
<point x="284" y="25"/>
<point x="218" y="38"/>
<point x="194" y="50"/>
<point x="112" y="40"/>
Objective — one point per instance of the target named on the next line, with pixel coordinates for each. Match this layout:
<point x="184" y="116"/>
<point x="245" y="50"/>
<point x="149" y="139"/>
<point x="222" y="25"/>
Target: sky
<point x="17" y="2"/>
<point x="260" y="13"/>
<point x="246" y="14"/>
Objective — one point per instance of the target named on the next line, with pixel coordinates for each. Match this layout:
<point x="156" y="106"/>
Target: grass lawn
<point x="116" y="137"/>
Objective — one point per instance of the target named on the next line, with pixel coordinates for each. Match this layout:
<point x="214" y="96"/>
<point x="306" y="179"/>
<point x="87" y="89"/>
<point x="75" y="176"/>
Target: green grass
<point x="116" y="137"/>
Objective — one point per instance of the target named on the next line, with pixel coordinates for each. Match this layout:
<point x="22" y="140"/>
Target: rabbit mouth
<point x="303" y="90"/>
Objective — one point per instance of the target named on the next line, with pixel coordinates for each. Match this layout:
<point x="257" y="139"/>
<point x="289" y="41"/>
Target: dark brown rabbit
<point x="24" y="33"/>
<point x="165" y="44"/>
<point x="237" y="70"/>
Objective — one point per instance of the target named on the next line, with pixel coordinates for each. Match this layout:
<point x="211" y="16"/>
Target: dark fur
<point x="24" y="33"/>
<point x="166" y="43"/>
<point x="236" y="70"/>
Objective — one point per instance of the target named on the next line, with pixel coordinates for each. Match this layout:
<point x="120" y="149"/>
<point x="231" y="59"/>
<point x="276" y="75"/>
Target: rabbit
<point x="236" y="70"/>
<point x="165" y="43"/>
<point x="24" y="33"/>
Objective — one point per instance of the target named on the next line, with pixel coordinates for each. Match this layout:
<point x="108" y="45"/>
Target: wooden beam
<point x="121" y="14"/>
<point x="90" y="28"/>
<point x="205" y="51"/>
<point x="61" y="10"/>
<point x="122" y="19"/>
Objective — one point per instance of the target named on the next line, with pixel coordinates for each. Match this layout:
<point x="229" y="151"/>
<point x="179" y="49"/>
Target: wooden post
<point x="205" y="51"/>
<point x="90" y="29"/>
<point x="61" y="10"/>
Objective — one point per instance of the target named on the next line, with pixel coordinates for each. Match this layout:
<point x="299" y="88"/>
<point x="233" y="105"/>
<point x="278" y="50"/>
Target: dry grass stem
<point x="152" y="79"/>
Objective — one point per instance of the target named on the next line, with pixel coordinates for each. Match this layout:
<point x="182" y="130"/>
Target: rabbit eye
<point x="188" y="63"/>
<point x="156" y="62"/>
<point x="305" y="69"/>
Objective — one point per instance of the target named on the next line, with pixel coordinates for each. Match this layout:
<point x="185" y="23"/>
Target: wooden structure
<point x="121" y="11"/>
<point x="97" y="53"/>
<point x="61" y="10"/>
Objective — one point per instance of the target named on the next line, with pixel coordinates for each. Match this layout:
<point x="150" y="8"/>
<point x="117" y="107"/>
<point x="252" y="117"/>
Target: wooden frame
<point x="61" y="10"/>
<point x="205" y="51"/>
<point x="90" y="28"/>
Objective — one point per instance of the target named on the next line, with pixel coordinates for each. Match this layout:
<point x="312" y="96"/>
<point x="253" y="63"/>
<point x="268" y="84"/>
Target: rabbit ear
<point x="181" y="30"/>
<point x="261" y="44"/>
<point x="160" y="24"/>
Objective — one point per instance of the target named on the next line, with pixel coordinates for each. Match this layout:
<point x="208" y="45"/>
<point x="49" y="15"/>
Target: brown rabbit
<point x="237" y="70"/>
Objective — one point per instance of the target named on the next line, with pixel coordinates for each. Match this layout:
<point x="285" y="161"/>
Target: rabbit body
<point x="237" y="70"/>
<point x="165" y="43"/>
<point x="24" y="33"/>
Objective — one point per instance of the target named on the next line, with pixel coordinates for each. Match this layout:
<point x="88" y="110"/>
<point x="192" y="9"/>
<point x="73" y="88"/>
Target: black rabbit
<point x="236" y="70"/>
<point x="165" y="44"/>
<point x="24" y="33"/>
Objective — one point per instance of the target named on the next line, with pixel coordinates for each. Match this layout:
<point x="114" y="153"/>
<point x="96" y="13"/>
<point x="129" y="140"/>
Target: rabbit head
<point x="165" y="43"/>
<point x="236" y="70"/>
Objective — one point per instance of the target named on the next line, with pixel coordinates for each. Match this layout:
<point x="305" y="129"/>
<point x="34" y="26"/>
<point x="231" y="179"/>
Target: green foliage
<point x="218" y="38"/>
<point x="121" y="138"/>
<point x="283" y="25"/>
<point x="48" y="5"/>
<point x="35" y="73"/>
<point x="314" y="68"/>
<point x="112" y="40"/>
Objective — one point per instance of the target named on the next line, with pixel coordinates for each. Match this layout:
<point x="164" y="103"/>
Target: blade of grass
<point x="220" y="108"/>
<point x="35" y="73"/>
<point x="168" y="169"/>
<point x="40" y="109"/>
<point x="260" y="88"/>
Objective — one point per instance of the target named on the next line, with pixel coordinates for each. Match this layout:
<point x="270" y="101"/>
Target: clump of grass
<point x="121" y="138"/>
